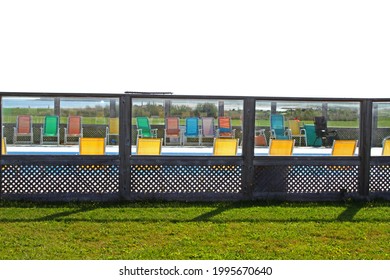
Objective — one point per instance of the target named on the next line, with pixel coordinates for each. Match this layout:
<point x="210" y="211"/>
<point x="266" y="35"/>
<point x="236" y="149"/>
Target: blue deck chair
<point x="192" y="130"/>
<point x="278" y="128"/>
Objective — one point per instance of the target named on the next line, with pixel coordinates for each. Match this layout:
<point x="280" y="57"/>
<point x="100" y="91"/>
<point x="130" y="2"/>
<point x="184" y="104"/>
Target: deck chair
<point x="225" y="129"/>
<point x="344" y="147"/>
<point x="149" y="146"/>
<point x="74" y="129"/>
<point x="311" y="136"/>
<point x="112" y="129"/>
<point x="278" y="128"/>
<point x="281" y="147"/>
<point x="172" y="129"/>
<point x="3" y="146"/>
<point x="322" y="132"/>
<point x="208" y="128"/>
<point x="296" y="131"/>
<point x="23" y="129"/>
<point x="386" y="147"/>
<point x="260" y="139"/>
<point x="225" y="147"/>
<point x="50" y="130"/>
<point x="92" y="146"/>
<point x="192" y="130"/>
<point x="143" y="128"/>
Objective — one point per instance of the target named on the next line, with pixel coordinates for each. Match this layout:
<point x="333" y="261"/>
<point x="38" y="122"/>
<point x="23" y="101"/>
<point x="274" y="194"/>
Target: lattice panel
<point x="379" y="178"/>
<point x="186" y="179"/>
<point x="306" y="179"/>
<point x="38" y="179"/>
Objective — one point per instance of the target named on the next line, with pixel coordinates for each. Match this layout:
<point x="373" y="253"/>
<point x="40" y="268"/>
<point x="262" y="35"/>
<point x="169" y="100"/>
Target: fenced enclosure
<point x="179" y="174"/>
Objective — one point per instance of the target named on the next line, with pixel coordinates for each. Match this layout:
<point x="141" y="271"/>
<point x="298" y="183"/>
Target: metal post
<point x="124" y="144"/>
<point x="221" y="108"/>
<point x="365" y="146"/>
<point x="273" y="107"/>
<point x="248" y="144"/>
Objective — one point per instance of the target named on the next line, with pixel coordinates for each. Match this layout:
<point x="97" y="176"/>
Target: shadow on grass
<point x="70" y="214"/>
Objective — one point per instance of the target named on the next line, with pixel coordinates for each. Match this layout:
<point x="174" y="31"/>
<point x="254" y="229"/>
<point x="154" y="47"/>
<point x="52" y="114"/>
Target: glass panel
<point x="55" y="125"/>
<point x="313" y="126"/>
<point x="380" y="129"/>
<point x="186" y="127"/>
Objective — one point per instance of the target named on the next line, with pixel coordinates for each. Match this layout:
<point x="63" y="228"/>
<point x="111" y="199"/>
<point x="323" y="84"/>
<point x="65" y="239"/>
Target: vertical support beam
<point x="273" y="107"/>
<point x="167" y="107"/>
<point x="248" y="144"/>
<point x="325" y="110"/>
<point x="365" y="146"/>
<point x="221" y="108"/>
<point x="57" y="106"/>
<point x="113" y="113"/>
<point x="124" y="144"/>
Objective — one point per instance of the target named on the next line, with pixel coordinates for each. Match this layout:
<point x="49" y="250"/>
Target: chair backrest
<point x="225" y="147"/>
<point x="192" y="127"/>
<point x="149" y="146"/>
<point x="344" y="147"/>
<point x="386" y="147"/>
<point x="172" y="126"/>
<point x="294" y="127"/>
<point x="50" y="127"/>
<point x="74" y="125"/>
<point x="278" y="126"/>
<point x="208" y="128"/>
<point x="277" y="122"/>
<point x="24" y="124"/>
<point x="3" y="146"/>
<point x="144" y="125"/>
<point x="311" y="136"/>
<point x="224" y="126"/>
<point x="113" y="124"/>
<point x="281" y="147"/>
<point x="92" y="146"/>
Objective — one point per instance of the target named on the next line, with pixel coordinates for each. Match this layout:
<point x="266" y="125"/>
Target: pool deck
<point x="166" y="150"/>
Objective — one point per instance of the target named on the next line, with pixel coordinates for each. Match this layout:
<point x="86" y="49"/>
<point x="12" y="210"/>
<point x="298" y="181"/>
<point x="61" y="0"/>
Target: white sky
<point x="267" y="48"/>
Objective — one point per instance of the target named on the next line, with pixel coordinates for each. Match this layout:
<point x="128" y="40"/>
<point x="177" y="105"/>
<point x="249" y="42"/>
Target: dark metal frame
<point x="248" y="161"/>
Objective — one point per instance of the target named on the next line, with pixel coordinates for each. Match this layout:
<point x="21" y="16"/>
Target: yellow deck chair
<point x="386" y="147"/>
<point x="3" y="146"/>
<point x="92" y="146"/>
<point x="149" y="146"/>
<point x="281" y="147"/>
<point x="344" y="147"/>
<point x="225" y="147"/>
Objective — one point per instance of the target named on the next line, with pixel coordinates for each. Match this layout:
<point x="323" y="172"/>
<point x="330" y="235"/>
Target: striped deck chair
<point x="192" y="130"/>
<point x="112" y="129"/>
<point x="144" y="129"/>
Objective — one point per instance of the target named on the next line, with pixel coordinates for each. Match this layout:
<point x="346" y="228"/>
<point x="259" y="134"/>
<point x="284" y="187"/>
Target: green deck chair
<point x="143" y="128"/>
<point x="50" y="130"/>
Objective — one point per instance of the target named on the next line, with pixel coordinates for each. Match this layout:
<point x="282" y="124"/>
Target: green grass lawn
<point x="201" y="231"/>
